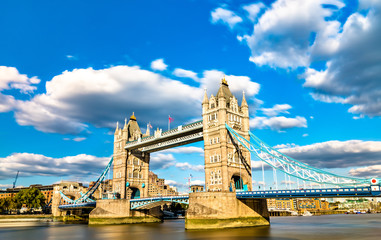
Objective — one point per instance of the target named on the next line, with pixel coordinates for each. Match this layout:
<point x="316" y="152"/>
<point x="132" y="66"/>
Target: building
<point x="286" y="204"/>
<point x="46" y="190"/>
<point x="157" y="187"/>
<point x="130" y="172"/>
<point x="227" y="165"/>
<point x="197" y="188"/>
<point x="312" y="204"/>
<point x="104" y="190"/>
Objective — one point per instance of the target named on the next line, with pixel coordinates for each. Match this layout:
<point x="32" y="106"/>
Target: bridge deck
<point x="314" y="193"/>
<point x="146" y="203"/>
<point x="172" y="138"/>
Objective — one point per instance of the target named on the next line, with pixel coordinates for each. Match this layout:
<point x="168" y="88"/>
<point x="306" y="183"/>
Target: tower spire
<point x="205" y="100"/>
<point x="244" y="103"/>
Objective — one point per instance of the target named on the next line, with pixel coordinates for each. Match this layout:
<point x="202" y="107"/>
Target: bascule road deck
<point x="179" y="136"/>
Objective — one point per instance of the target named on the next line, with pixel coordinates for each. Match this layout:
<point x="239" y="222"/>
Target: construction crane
<point x="14" y="183"/>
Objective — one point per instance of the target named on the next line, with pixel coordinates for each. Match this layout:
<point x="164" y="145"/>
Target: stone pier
<point x="211" y="210"/>
<point x="117" y="211"/>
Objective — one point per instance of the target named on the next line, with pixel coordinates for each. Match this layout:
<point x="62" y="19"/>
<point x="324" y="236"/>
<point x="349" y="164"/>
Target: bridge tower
<point x="227" y="165"/>
<point x="131" y="168"/>
<point x="227" y="168"/>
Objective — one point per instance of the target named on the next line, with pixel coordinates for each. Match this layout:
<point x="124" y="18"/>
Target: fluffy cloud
<point x="212" y="79"/>
<point x="187" y="166"/>
<point x="75" y="100"/>
<point x="10" y="78"/>
<point x="338" y="154"/>
<point x="29" y="164"/>
<point x="352" y="75"/>
<point x="278" y="123"/>
<point x="179" y="72"/>
<point x="225" y="16"/>
<point x="282" y="36"/>
<point x="100" y="97"/>
<point x="253" y="10"/>
<point x="297" y="34"/>
<point x="159" y="65"/>
<point x="368" y="172"/>
<point x="276" y="110"/>
<point x="161" y="161"/>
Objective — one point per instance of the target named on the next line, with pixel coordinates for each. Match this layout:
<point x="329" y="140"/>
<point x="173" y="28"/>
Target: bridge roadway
<point x="146" y="203"/>
<point x="175" y="137"/>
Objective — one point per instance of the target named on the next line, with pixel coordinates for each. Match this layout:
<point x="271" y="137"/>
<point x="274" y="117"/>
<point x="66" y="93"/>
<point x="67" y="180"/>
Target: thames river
<point x="362" y="226"/>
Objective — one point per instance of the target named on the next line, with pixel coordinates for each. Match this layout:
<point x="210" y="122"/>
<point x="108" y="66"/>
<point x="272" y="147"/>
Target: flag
<point x="149" y="125"/>
<point x="170" y="119"/>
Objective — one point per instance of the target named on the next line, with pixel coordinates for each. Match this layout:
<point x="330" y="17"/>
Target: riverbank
<point x="27" y="218"/>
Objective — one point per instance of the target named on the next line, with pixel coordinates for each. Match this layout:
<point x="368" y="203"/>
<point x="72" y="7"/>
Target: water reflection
<point x="282" y="228"/>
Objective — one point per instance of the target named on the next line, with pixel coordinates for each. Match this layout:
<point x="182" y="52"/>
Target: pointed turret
<point x="125" y="124"/>
<point x="117" y="128"/>
<point x="205" y="100"/>
<point x="224" y="91"/>
<point x="244" y="103"/>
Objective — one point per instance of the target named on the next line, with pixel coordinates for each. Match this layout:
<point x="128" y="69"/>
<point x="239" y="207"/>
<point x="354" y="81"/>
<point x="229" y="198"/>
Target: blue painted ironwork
<point x="294" y="167"/>
<point x="86" y="197"/>
<point x="78" y="205"/>
<point x="142" y="202"/>
<point x="369" y="191"/>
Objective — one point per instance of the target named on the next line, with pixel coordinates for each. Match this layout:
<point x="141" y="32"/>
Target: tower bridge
<point x="229" y="200"/>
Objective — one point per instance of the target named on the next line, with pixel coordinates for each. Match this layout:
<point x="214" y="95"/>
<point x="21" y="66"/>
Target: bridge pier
<point x="117" y="211"/>
<point x="213" y="210"/>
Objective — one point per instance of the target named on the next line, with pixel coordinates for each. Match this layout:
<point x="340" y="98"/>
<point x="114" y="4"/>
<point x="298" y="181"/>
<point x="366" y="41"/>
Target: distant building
<point x="156" y="186"/>
<point x="197" y="188"/>
<point x="46" y="190"/>
<point x="313" y="204"/>
<point x="104" y="191"/>
<point x="286" y="204"/>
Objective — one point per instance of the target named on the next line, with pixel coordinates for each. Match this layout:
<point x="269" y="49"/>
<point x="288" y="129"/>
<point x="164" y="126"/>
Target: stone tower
<point x="227" y="164"/>
<point x="130" y="171"/>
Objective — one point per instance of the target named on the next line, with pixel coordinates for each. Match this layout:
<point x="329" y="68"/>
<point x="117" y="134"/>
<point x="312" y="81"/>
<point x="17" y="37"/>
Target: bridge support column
<point x="211" y="210"/>
<point x="117" y="211"/>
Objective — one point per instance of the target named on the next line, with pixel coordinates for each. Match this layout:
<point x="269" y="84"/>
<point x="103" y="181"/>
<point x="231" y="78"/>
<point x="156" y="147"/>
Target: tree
<point x="30" y="198"/>
<point x="5" y="204"/>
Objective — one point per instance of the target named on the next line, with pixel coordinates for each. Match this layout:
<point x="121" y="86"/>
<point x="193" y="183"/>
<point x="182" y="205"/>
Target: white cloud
<point x="30" y="164"/>
<point x="187" y="166"/>
<point x="178" y="72"/>
<point x="225" y="16"/>
<point x="161" y="161"/>
<point x="78" y="99"/>
<point x="253" y="10"/>
<point x="184" y="150"/>
<point x="276" y="110"/>
<point x="197" y="182"/>
<point x="212" y="80"/>
<point x="282" y="35"/>
<point x="79" y="139"/>
<point x="368" y="172"/>
<point x="287" y="182"/>
<point x="159" y="64"/>
<point x="10" y="78"/>
<point x="100" y="97"/>
<point x="337" y="154"/>
<point x="352" y="74"/>
<point x="278" y="123"/>
<point x="305" y="135"/>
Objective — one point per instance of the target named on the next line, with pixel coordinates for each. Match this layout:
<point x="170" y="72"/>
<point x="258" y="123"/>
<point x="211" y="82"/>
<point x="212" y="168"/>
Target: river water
<point x="362" y="226"/>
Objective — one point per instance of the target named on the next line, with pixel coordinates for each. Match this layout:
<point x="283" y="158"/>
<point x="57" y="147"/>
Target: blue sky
<point x="70" y="70"/>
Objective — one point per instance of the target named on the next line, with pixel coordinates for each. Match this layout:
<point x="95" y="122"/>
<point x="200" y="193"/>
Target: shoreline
<point x="26" y="218"/>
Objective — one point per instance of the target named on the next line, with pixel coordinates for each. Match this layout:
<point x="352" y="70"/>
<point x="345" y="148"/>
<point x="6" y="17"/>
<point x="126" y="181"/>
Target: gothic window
<point x="135" y="174"/>
<point x="136" y="161"/>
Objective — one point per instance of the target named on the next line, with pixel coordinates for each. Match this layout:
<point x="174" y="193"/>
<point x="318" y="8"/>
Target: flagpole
<point x="169" y="122"/>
